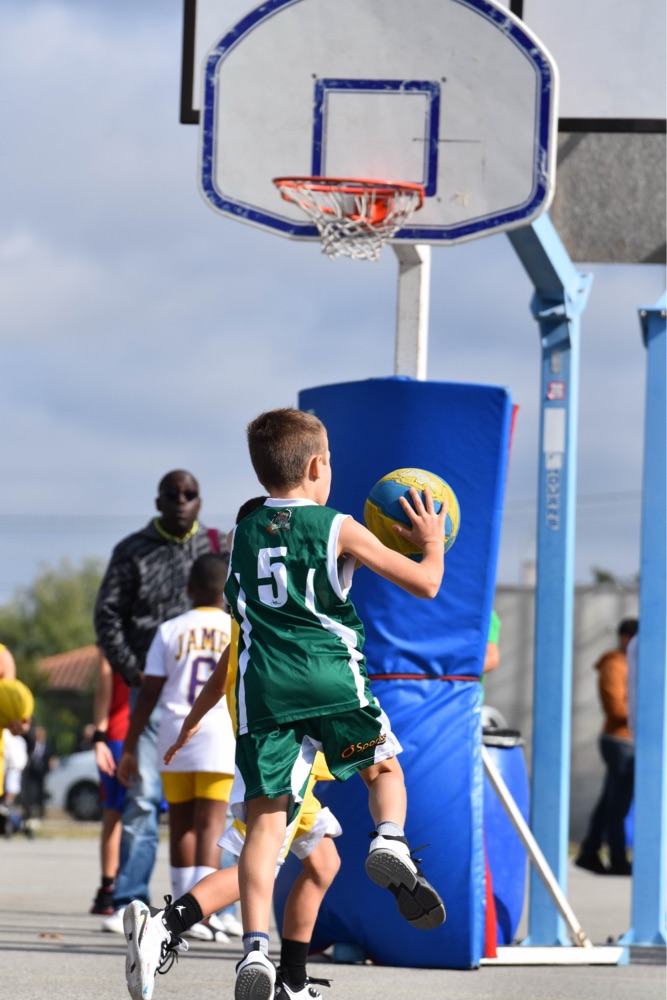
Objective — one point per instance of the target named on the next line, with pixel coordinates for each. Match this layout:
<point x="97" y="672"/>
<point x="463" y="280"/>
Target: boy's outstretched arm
<point x="427" y="531"/>
<point x="209" y="696"/>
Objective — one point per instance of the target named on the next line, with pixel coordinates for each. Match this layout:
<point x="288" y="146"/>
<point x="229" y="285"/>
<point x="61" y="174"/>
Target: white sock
<point x="390" y="830"/>
<point x="182" y="880"/>
<point x="201" y="871"/>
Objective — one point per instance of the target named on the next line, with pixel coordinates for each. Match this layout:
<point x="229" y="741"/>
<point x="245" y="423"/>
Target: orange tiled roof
<point x="73" y="671"/>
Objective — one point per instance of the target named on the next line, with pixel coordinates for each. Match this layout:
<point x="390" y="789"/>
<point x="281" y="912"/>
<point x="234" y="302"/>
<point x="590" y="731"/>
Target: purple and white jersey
<point x="185" y="651"/>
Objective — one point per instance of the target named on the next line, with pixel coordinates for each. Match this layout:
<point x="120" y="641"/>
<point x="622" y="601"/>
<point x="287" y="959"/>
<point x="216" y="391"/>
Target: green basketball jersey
<point x="300" y="643"/>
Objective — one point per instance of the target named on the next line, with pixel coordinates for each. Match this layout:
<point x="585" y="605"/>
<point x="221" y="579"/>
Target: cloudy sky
<point x="140" y="331"/>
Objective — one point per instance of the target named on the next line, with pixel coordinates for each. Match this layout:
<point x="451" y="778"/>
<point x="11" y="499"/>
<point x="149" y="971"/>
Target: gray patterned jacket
<point x="145" y="584"/>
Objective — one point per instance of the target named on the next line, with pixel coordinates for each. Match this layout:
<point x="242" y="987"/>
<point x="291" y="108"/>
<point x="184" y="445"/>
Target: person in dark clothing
<point x="145" y="584"/>
<point x="41" y="758"/>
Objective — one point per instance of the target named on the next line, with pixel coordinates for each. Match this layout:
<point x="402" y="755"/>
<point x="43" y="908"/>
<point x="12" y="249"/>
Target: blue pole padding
<point x="424" y="658"/>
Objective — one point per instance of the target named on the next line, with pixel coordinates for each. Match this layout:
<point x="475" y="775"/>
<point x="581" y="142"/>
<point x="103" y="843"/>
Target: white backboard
<point x="454" y="94"/>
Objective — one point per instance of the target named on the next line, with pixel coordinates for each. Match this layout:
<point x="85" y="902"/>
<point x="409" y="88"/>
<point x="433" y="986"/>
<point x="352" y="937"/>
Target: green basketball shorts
<point x="275" y="762"/>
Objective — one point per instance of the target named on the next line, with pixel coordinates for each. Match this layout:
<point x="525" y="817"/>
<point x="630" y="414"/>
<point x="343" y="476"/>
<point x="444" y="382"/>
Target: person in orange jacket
<point x="617" y="749"/>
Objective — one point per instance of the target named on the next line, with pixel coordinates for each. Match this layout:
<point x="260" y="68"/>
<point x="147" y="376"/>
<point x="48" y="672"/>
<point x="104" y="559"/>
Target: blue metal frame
<point x="561" y="293"/>
<point x="650" y="804"/>
<point x="545" y="125"/>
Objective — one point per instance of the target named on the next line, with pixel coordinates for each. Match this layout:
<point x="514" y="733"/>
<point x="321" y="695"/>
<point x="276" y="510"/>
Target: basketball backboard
<point x="609" y="202"/>
<point x="457" y="95"/>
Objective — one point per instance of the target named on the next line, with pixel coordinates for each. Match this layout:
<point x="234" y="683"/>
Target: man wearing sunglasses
<point x="144" y="585"/>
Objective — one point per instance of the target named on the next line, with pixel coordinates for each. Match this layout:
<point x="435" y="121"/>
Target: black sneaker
<point x="103" y="902"/>
<point x="591" y="862"/>
<point x="391" y="865"/>
<point x="623" y="867"/>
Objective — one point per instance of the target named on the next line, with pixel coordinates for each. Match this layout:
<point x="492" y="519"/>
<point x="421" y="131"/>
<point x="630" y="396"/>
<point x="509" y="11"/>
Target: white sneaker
<point x="255" y="977"/>
<point x="230" y="925"/>
<point x="114" y="923"/>
<point x="149" y="947"/>
<point x="390" y="865"/>
<point x="285" y="990"/>
<point x="208" y="929"/>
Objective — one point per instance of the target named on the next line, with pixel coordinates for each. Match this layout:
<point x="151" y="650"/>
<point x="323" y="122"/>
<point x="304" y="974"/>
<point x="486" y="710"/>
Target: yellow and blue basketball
<point x="382" y="508"/>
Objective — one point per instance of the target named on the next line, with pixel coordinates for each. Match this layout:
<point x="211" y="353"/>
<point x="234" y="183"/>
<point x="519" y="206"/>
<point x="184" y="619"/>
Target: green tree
<point x="601" y="576"/>
<point x="605" y="577"/>
<point x="53" y="615"/>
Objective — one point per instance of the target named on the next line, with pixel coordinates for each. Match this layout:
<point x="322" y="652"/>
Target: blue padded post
<point x="460" y="432"/>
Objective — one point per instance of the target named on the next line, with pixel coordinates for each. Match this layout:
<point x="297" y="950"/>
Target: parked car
<point x="73" y="786"/>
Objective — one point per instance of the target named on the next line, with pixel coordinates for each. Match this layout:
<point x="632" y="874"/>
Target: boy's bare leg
<point x="209" y="823"/>
<point x="110" y="842"/>
<point x="301" y="909"/>
<point x="109" y="853"/>
<point x="387" y="798"/>
<point x="195" y="827"/>
<point x="182" y="836"/>
<point x="306" y="895"/>
<point x="216" y="891"/>
<point x="266" y="824"/>
<point x="389" y="863"/>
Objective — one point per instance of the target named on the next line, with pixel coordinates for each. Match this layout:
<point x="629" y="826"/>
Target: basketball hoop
<point x="355" y="218"/>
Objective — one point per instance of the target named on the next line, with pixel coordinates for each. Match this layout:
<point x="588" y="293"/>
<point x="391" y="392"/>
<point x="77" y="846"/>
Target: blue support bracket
<point x="649" y="868"/>
<point x="560" y="297"/>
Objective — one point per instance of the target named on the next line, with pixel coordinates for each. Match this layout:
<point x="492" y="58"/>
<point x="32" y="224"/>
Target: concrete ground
<point x="50" y="948"/>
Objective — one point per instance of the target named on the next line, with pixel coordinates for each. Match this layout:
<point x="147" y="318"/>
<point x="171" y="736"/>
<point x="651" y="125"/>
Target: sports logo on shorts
<point x="280" y="522"/>
<point x="360" y="747"/>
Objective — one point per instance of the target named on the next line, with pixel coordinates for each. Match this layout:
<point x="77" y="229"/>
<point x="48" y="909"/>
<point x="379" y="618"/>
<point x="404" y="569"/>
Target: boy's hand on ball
<point x="427" y="526"/>
<point x="406" y="525"/>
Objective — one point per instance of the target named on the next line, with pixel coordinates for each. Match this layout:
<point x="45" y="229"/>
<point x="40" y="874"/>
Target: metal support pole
<point x="577" y="933"/>
<point x="649" y="867"/>
<point x="561" y="293"/>
<point x="412" y="312"/>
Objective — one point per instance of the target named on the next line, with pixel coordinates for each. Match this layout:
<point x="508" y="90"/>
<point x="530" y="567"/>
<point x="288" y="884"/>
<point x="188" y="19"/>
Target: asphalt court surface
<point x="51" y="948"/>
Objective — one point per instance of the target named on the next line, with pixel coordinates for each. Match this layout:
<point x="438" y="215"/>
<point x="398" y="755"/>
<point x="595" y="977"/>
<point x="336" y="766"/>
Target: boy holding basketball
<point x="302" y="685"/>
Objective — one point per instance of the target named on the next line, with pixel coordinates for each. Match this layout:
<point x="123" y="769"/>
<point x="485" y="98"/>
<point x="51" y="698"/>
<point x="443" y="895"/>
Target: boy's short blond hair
<point x="281" y="443"/>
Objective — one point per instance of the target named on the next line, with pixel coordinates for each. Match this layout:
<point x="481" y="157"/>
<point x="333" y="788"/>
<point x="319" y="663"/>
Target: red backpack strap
<point x="214" y="539"/>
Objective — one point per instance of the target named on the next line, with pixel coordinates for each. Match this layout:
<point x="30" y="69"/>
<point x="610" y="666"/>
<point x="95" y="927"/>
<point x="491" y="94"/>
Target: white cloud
<point x="44" y="290"/>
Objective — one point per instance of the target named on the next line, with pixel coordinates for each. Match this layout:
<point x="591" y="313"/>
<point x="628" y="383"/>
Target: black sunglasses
<point x="173" y="495"/>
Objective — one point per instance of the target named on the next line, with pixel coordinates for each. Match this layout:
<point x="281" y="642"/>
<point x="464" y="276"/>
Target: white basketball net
<point x="354" y="218"/>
